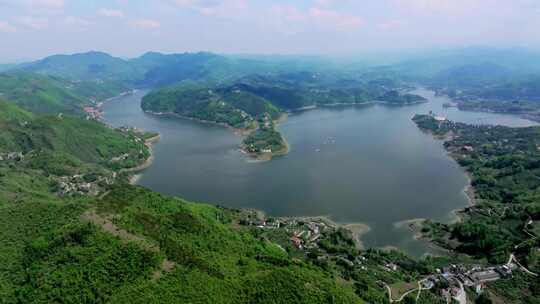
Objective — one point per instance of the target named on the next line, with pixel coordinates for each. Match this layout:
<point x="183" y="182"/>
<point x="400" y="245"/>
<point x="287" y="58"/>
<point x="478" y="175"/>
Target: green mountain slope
<point x="151" y="69"/>
<point x="228" y="105"/>
<point x="66" y="144"/>
<point x="83" y="66"/>
<point x="47" y="94"/>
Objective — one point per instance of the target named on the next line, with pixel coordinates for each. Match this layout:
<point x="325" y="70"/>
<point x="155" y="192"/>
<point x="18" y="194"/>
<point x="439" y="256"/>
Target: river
<point x="355" y="164"/>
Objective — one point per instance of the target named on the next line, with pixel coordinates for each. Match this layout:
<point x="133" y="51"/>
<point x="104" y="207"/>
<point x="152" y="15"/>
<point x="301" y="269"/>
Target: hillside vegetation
<point x="73" y="230"/>
<point x="151" y="69"/>
<point x="46" y="94"/>
<point x="231" y="107"/>
<point x="54" y="250"/>
<point x="504" y="168"/>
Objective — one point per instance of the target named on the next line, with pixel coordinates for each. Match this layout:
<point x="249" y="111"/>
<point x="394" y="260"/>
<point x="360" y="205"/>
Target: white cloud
<point x="32" y="22"/>
<point x="335" y="19"/>
<point x="49" y="4"/>
<point x="5" y="27"/>
<point x="451" y="7"/>
<point x="76" y="23"/>
<point x="145" y="24"/>
<point x="288" y="16"/>
<point x="328" y="3"/>
<point x="224" y="8"/>
<point x="104" y="12"/>
<point x="393" y="24"/>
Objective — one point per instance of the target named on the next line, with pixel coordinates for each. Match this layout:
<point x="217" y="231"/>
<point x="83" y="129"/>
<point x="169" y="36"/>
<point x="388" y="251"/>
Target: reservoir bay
<point x="355" y="164"/>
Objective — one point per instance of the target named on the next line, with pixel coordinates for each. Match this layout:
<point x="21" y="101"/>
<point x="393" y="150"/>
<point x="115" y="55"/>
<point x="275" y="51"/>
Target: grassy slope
<point x="87" y="140"/>
<point x="215" y="262"/>
<point x="46" y="94"/>
<point x="57" y="147"/>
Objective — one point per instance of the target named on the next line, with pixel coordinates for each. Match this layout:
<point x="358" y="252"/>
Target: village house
<point x="14" y="156"/>
<point x="467" y="148"/>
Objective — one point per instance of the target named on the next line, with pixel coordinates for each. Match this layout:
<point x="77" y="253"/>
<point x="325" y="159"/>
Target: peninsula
<point x="253" y="116"/>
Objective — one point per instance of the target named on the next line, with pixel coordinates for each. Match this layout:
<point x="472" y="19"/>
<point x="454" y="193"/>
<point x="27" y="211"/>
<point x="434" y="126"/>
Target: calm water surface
<point x="368" y="164"/>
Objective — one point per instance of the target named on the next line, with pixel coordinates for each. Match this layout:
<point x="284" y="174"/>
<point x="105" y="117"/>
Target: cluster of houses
<point x="308" y="238"/>
<point x="458" y="276"/>
<point x="305" y="232"/>
<point x="437" y="117"/>
<point x="93" y="112"/>
<point x="120" y="158"/>
<point x="77" y="185"/>
<point x="11" y="156"/>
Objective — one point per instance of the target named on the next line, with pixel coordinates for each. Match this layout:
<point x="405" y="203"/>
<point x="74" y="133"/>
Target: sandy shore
<point x="414" y="225"/>
<point x="358" y="230"/>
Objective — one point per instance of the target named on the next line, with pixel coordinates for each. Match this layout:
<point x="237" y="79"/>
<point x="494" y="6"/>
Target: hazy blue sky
<point x="36" y="28"/>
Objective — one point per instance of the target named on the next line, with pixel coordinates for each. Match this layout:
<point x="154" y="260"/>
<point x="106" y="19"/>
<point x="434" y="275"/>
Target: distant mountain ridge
<point x="149" y="69"/>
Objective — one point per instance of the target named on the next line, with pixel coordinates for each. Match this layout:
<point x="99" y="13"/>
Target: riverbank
<point x="532" y="116"/>
<point x="243" y="132"/>
<point x="415" y="227"/>
<point x="349" y="104"/>
<point x="221" y="124"/>
<point x="357" y="230"/>
<point x="134" y="178"/>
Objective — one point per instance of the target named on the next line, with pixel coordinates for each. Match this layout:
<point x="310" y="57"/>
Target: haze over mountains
<point x="84" y="72"/>
<point x="64" y="178"/>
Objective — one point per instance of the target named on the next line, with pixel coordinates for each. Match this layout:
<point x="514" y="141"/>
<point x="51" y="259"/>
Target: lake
<point x="355" y="164"/>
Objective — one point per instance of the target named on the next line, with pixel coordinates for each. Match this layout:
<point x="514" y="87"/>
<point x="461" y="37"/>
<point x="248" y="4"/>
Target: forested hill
<point x="254" y="94"/>
<point x="226" y="105"/>
<point x="504" y="165"/>
<point x="149" y="70"/>
<point x="50" y="94"/>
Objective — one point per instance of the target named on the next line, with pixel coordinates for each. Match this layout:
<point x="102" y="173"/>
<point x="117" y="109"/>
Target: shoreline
<point x="243" y="132"/>
<point x="530" y="116"/>
<point x="134" y="178"/>
<point x="264" y="157"/>
<point x="209" y="122"/>
<point x="468" y="189"/>
<point x="415" y="226"/>
<point x="349" y="104"/>
<point x="358" y="229"/>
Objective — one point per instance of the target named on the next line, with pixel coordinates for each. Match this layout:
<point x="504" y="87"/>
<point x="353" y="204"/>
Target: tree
<point x="483" y="299"/>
